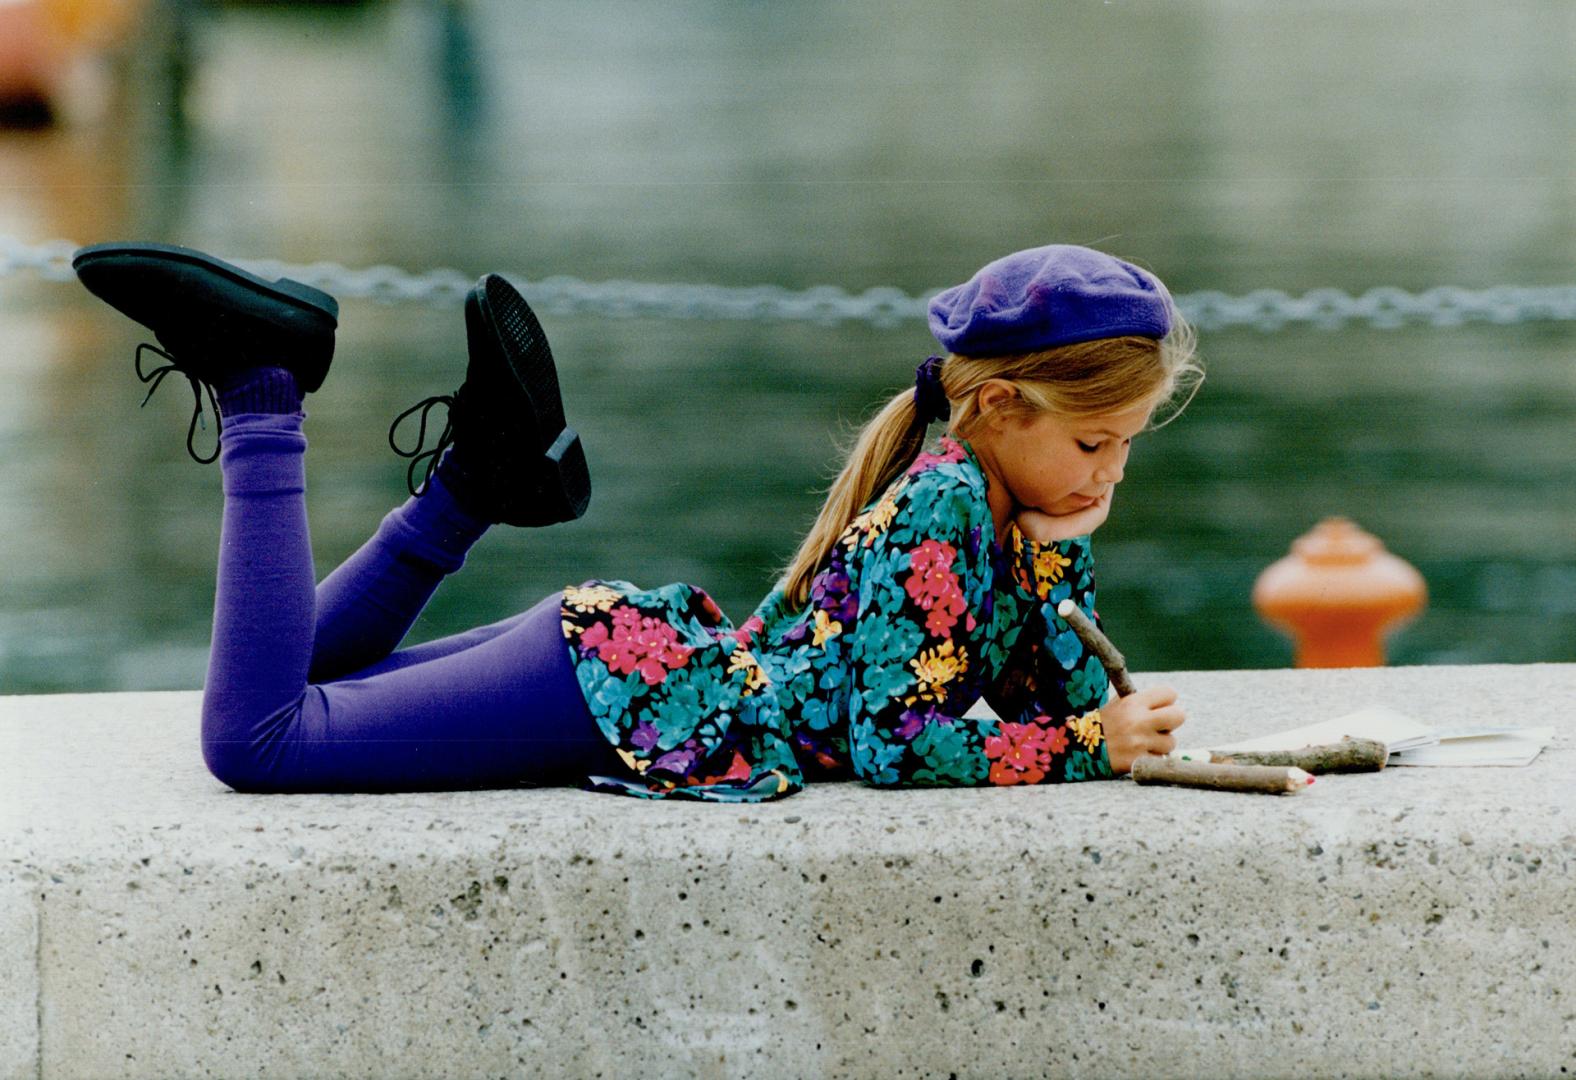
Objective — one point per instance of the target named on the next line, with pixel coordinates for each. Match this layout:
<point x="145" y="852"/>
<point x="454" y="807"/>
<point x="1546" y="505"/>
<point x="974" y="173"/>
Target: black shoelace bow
<point x="417" y="454"/>
<point x="156" y="376"/>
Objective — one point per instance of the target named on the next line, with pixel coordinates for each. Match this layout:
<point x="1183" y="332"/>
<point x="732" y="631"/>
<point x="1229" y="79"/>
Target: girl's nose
<point x="1109" y="471"/>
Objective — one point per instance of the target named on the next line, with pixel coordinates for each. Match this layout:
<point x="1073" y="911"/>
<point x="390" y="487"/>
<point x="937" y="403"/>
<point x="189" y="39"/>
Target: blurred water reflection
<point x="1225" y="145"/>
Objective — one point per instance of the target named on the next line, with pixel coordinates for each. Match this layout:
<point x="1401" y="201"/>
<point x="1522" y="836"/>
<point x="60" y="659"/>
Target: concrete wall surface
<point x="1414" y="922"/>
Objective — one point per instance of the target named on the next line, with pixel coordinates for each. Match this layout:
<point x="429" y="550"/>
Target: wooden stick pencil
<point x="1265" y="779"/>
<point x="1348" y="755"/>
<point x="1115" y="663"/>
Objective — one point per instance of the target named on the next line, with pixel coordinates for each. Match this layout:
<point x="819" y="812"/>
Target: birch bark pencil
<point x="1348" y="755"/>
<point x="1267" y="779"/>
<point x="1115" y="663"/>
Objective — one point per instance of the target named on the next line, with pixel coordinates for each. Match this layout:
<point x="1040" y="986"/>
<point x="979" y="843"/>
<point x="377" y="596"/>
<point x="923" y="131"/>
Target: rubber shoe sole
<point x="193" y="301"/>
<point x="536" y="464"/>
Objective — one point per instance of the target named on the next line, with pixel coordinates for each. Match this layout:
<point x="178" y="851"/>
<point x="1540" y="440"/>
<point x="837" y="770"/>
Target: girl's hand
<point x="1140" y="724"/>
<point x="1043" y="528"/>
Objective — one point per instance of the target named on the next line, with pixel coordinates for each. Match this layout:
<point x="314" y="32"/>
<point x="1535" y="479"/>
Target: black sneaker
<point x="211" y="317"/>
<point x="521" y="463"/>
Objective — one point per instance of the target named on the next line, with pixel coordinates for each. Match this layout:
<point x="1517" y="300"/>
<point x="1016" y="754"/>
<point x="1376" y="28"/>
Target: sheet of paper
<point x="1480" y="747"/>
<point x="1492" y="732"/>
<point x="1396" y="730"/>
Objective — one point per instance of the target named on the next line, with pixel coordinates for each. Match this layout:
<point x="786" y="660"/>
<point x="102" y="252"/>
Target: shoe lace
<point x="416" y="453"/>
<point x="156" y="377"/>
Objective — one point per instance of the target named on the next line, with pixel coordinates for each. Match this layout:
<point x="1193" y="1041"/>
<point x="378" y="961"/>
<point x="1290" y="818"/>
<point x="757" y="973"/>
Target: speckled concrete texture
<point x="1415" y="922"/>
<point x="19" y="977"/>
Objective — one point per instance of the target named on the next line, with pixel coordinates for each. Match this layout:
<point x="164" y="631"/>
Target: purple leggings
<point x="305" y="691"/>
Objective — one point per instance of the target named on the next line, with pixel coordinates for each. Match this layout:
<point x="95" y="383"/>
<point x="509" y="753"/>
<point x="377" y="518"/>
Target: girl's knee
<point x="232" y="764"/>
<point x="246" y="748"/>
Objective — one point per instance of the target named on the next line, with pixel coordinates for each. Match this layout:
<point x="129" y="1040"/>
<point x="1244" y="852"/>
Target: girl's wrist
<point x="1044" y="529"/>
<point x="1044" y="542"/>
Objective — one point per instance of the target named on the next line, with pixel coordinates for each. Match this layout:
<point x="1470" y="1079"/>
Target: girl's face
<point x="1056" y="465"/>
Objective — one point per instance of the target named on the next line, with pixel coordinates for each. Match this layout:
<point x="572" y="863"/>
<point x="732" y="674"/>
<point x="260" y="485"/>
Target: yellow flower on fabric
<point x="825" y="627"/>
<point x="1048" y="566"/>
<point x="1020" y="574"/>
<point x="636" y="764"/>
<point x="936" y="667"/>
<point x="874" y="521"/>
<point x="882" y="514"/>
<point x="742" y="660"/>
<point x="591" y="597"/>
<point x="1087" y="730"/>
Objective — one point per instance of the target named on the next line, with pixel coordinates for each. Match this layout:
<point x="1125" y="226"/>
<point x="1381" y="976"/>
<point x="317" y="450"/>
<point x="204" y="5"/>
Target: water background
<point x="1225" y="144"/>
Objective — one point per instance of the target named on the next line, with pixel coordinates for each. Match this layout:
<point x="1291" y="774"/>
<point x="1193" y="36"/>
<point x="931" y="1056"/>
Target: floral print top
<point x="919" y="612"/>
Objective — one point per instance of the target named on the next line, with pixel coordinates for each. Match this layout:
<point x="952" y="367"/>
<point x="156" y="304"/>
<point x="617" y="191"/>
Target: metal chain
<point x="1263" y="309"/>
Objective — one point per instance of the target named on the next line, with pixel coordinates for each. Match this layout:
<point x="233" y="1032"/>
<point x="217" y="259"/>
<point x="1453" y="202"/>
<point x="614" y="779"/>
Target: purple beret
<point x="1045" y="296"/>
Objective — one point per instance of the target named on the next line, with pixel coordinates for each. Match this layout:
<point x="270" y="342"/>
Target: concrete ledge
<point x="1411" y="923"/>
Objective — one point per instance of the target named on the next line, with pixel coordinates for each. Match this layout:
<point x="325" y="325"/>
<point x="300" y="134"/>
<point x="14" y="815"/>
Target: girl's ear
<point x="993" y="394"/>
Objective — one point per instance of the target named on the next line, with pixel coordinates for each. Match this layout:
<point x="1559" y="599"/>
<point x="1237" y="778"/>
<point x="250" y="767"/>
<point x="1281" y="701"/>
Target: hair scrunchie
<point x="930" y="400"/>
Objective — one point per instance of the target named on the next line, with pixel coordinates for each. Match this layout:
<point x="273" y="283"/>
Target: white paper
<point x="1462" y="747"/>
<point x="1396" y="730"/>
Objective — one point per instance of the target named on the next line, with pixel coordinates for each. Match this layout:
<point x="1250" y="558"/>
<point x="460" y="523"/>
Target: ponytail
<point x="886" y="446"/>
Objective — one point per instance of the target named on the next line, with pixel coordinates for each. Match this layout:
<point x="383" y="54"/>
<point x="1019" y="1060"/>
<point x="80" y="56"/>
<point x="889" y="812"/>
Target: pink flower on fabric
<point x="709" y="606"/>
<point x="745" y="634"/>
<point x="1022" y="753"/>
<point x="637" y="643"/>
<point x="594" y="636"/>
<point x="934" y="587"/>
<point x="738" y="769"/>
<point x="1056" y="740"/>
<point x="951" y="451"/>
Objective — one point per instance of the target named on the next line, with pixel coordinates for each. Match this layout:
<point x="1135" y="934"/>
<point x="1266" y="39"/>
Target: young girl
<point x="928" y="581"/>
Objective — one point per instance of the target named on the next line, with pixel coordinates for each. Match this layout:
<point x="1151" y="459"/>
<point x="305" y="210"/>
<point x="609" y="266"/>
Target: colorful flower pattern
<point x="919" y="612"/>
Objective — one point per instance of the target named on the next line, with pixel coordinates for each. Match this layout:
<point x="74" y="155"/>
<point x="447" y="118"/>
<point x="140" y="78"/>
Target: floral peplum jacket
<point x="918" y="614"/>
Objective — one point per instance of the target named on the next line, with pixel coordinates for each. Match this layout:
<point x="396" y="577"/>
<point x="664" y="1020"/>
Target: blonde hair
<point x="1089" y="378"/>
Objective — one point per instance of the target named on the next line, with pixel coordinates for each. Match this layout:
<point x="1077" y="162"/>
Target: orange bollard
<point x="41" y="41"/>
<point x="32" y="63"/>
<point x="1337" y="594"/>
